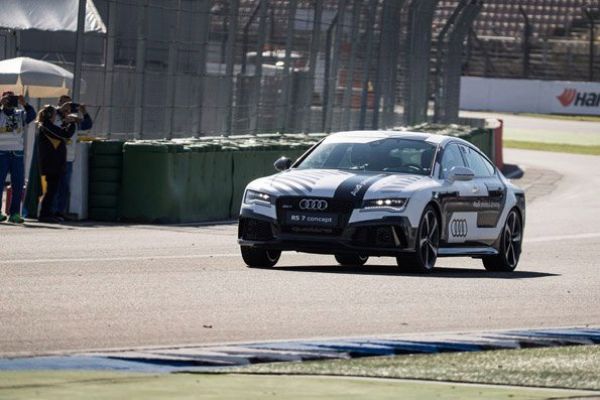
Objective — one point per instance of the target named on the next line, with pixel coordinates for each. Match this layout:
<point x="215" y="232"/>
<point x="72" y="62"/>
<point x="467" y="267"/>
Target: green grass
<point x="565" y="117"/>
<point x="60" y="385"/>
<point x="576" y="367"/>
<point x="554" y="147"/>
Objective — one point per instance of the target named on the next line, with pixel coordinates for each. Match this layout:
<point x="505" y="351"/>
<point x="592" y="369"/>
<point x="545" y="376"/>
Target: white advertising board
<point x="530" y="96"/>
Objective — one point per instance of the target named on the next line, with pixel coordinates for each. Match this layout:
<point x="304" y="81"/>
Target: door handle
<point x="475" y="189"/>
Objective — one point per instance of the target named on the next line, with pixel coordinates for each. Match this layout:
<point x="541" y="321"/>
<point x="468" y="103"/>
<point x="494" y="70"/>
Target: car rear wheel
<point x="426" y="247"/>
<point x="510" y="245"/>
<point x="260" y="258"/>
<point x="349" y="260"/>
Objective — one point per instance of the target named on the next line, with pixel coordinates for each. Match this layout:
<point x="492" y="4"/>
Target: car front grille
<point x="342" y="210"/>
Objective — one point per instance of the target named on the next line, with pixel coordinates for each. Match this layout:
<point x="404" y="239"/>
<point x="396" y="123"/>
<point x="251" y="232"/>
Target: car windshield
<point x="384" y="155"/>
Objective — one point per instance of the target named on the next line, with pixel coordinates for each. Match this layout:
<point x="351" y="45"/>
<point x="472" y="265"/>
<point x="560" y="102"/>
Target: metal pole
<point x="364" y="96"/>
<point x="393" y="36"/>
<point x="439" y="83"/>
<point x="526" y="40"/>
<point x="246" y="32"/>
<point x="140" y="64"/>
<point x="589" y="16"/>
<point x="171" y="70"/>
<point x="79" y="50"/>
<point x="379" y="71"/>
<point x="417" y="60"/>
<point x="284" y="115"/>
<point x="453" y="69"/>
<point x="229" y="63"/>
<point x="326" y="83"/>
<point x="347" y="99"/>
<point x="109" y="64"/>
<point x="258" y="66"/>
<point x="339" y="34"/>
<point x="204" y="26"/>
<point x="312" y="61"/>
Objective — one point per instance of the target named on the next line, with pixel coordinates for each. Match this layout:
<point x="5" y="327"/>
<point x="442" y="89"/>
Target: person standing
<point x="52" y="155"/>
<point x="64" y="184"/>
<point x="13" y="121"/>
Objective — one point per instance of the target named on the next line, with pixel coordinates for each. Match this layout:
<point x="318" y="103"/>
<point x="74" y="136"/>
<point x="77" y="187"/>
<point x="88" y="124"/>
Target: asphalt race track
<point x="80" y="287"/>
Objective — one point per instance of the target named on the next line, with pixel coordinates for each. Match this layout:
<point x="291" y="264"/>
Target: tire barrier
<point x="105" y="173"/>
<point x="196" y="180"/>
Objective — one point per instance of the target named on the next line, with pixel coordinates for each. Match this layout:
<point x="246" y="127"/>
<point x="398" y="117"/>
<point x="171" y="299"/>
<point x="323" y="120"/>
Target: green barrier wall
<point x="172" y="183"/>
<point x="177" y="186"/>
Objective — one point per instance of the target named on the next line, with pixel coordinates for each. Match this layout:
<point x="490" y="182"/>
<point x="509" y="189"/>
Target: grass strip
<point x="60" y="385"/>
<point x="575" y="367"/>
<point x="554" y="147"/>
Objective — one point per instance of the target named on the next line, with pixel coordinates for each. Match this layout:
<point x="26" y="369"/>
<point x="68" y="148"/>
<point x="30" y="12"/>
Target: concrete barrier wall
<point x="530" y="96"/>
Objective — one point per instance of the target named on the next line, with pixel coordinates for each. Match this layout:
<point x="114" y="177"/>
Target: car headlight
<point x="254" y="197"/>
<point x="388" y="203"/>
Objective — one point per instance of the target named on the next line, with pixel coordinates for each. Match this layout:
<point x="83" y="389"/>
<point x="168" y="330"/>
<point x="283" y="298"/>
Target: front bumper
<point x="390" y="236"/>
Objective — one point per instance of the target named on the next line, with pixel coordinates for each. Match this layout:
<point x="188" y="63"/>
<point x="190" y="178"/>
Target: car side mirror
<point x="282" y="164"/>
<point x="460" y="174"/>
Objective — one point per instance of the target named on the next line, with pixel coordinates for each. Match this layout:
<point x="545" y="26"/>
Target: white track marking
<point x="139" y="258"/>
<point x="562" y="237"/>
<point x="92" y="259"/>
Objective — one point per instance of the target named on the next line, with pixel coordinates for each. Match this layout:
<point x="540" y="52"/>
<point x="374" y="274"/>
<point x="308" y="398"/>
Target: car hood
<point x="340" y="184"/>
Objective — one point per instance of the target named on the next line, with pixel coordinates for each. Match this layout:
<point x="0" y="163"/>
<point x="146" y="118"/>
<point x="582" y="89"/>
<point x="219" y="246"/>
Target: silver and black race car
<point x="413" y="196"/>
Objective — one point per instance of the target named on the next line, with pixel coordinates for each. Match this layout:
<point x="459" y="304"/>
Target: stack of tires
<point x="105" y="169"/>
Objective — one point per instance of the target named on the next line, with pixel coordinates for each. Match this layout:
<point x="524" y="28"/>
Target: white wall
<point x="531" y="96"/>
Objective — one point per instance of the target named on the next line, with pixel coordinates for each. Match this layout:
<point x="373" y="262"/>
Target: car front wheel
<point x="260" y="258"/>
<point x="426" y="247"/>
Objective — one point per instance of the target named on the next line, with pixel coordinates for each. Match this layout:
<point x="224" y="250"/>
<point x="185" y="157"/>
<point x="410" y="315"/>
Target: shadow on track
<point x="460" y="273"/>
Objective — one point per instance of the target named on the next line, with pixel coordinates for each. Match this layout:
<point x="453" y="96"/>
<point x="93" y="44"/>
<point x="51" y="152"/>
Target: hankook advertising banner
<point x="531" y="96"/>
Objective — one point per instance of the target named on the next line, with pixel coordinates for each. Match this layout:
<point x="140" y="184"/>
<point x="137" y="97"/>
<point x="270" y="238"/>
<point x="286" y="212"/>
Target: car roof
<point x="422" y="136"/>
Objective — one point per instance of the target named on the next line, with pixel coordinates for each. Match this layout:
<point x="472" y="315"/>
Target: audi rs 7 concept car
<point x="413" y="196"/>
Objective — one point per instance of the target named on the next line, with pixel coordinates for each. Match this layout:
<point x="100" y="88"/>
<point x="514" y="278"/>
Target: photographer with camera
<point x="52" y="154"/>
<point x="13" y="121"/>
<point x="66" y="107"/>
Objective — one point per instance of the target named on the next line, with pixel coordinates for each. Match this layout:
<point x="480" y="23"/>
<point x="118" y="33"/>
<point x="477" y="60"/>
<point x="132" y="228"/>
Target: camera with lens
<point x="13" y="101"/>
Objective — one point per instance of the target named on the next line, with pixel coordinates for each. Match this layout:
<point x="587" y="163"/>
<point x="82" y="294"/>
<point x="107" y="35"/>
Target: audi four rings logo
<point x="313" y="204"/>
<point x="458" y="228"/>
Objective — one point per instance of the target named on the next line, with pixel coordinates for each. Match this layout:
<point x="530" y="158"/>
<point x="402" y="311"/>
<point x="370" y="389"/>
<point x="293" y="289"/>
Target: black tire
<point x="511" y="240"/>
<point x="106" y="161"/>
<point x="351" y="260"/>
<point x="104" y="188"/>
<point x="426" y="245"/>
<point x="103" y="201"/>
<point x="260" y="258"/>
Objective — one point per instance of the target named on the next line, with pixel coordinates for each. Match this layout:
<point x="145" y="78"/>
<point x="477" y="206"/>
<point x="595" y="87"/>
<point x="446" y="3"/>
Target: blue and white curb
<point x="202" y="358"/>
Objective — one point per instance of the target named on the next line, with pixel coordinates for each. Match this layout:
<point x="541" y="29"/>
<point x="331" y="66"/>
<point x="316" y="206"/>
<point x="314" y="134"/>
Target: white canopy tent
<point x="35" y="78"/>
<point x="54" y="15"/>
<point x="57" y="15"/>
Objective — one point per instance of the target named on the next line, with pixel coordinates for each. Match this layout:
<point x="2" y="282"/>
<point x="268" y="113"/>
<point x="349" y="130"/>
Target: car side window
<point x="480" y="166"/>
<point x="451" y="158"/>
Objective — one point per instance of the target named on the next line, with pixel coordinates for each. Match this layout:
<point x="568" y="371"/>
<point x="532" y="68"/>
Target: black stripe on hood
<point x="354" y="188"/>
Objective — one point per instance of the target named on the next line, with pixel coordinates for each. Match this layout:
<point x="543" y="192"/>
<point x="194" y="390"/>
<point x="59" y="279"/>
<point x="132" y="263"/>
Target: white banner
<point x="530" y="96"/>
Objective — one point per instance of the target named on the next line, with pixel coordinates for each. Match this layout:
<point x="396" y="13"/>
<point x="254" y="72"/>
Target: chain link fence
<point x="176" y="68"/>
